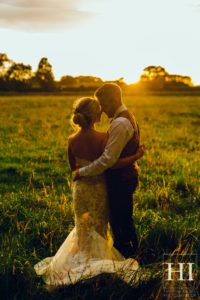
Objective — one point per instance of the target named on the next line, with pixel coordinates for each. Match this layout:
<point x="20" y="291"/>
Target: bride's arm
<point x="126" y="161"/>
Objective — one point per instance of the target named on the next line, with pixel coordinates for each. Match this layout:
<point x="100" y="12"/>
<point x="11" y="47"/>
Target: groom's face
<point x="107" y="108"/>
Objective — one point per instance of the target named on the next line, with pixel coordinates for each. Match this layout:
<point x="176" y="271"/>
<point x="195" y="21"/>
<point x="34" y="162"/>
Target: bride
<point x="88" y="250"/>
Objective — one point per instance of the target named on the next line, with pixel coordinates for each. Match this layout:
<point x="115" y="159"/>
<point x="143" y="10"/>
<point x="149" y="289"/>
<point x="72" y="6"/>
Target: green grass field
<point x="35" y="198"/>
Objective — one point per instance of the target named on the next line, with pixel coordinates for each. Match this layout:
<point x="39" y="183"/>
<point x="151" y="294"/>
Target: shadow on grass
<point x="11" y="178"/>
<point x="105" y="286"/>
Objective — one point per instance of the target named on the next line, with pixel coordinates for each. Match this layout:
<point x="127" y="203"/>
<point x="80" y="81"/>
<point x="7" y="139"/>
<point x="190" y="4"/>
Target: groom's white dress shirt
<point x="120" y="132"/>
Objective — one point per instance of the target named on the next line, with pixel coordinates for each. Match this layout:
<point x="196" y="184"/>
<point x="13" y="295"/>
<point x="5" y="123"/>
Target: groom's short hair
<point x="109" y="91"/>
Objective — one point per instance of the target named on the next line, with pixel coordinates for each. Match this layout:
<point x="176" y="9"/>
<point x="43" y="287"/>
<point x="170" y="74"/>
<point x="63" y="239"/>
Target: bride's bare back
<point x="86" y="144"/>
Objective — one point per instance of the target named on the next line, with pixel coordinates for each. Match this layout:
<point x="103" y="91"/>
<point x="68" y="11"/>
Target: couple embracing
<point x="105" y="172"/>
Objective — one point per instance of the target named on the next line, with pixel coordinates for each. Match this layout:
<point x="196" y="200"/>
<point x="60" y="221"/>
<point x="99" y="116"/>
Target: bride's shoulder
<point x="70" y="141"/>
<point x="71" y="138"/>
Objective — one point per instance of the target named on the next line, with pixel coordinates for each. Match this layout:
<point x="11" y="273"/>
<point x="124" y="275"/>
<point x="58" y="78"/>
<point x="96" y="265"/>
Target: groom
<point x="124" y="140"/>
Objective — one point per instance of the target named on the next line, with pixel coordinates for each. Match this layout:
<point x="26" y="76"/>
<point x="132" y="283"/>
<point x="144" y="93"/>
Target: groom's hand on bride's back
<point x="140" y="151"/>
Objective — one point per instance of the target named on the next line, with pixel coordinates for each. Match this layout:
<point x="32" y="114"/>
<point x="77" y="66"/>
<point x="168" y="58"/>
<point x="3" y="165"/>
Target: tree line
<point x="21" y="78"/>
<point x="157" y="78"/>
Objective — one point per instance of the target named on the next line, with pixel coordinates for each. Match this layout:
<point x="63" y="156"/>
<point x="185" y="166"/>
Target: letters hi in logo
<point x="179" y="275"/>
<point x="180" y="271"/>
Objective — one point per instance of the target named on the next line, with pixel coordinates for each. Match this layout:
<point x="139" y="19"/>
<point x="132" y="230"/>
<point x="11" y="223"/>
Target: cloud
<point x="38" y="15"/>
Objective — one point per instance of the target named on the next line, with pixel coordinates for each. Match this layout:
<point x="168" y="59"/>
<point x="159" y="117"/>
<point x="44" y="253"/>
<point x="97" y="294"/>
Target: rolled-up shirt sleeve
<point x="120" y="133"/>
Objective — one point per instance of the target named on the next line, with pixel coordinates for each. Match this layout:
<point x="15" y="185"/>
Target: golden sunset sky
<point x="105" y="38"/>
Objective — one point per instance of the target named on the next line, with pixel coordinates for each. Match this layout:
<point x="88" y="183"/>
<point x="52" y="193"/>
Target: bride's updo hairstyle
<point x="86" y="111"/>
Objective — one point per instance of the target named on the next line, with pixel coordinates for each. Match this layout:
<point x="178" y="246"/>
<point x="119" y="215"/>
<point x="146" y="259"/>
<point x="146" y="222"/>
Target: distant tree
<point x="79" y="82"/>
<point x="153" y="73"/>
<point x="156" y="77"/>
<point x="179" y="79"/>
<point x="5" y="63"/>
<point x="18" y="76"/>
<point x="89" y="81"/>
<point x="19" y="72"/>
<point x="44" y="75"/>
<point x="67" y="81"/>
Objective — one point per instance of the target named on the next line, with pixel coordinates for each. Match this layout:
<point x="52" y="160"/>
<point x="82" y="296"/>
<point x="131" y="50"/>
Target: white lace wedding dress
<point x="88" y="249"/>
